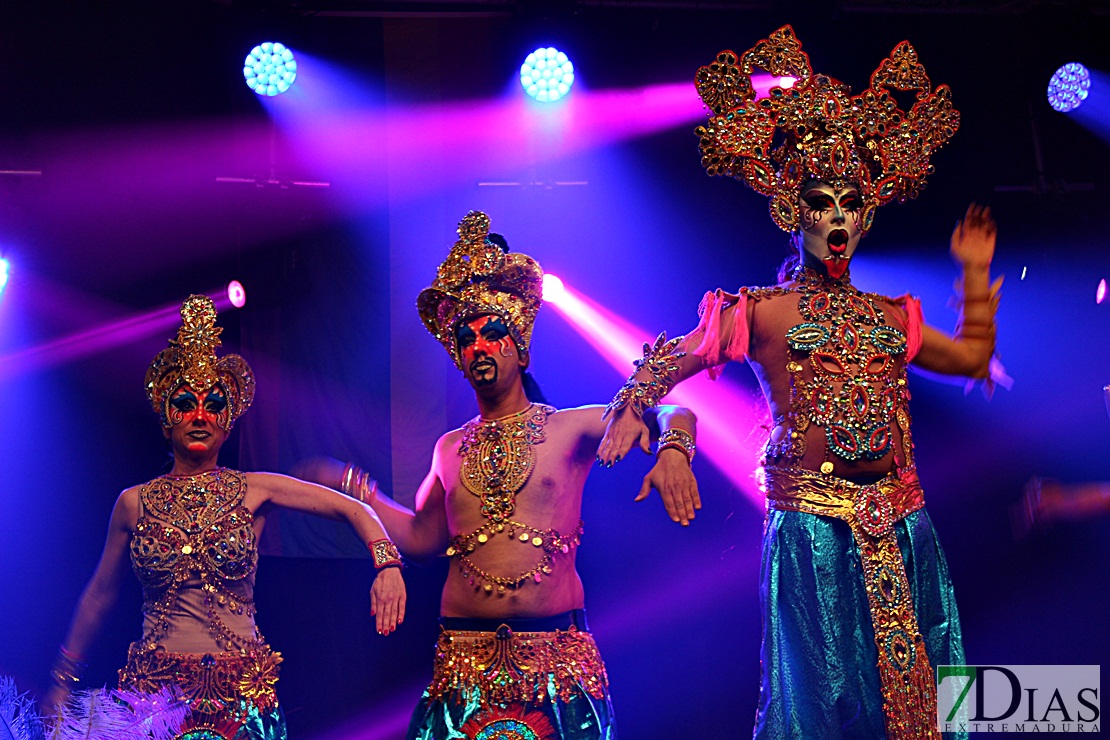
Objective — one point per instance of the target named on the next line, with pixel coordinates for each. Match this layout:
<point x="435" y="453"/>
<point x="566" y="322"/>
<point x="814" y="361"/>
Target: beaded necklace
<point x="498" y="456"/>
<point x="856" y="387"/>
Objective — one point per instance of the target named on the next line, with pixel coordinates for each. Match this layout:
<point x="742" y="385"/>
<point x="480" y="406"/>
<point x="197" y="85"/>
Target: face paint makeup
<point x="479" y="340"/>
<point x="829" y="223"/>
<point x="186" y="406"/>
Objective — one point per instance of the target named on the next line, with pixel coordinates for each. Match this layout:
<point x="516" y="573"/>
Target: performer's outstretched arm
<point x="387" y="595"/>
<point x="419" y="534"/>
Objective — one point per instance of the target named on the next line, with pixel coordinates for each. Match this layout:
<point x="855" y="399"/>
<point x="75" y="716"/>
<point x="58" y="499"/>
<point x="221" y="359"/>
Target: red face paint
<point x="481" y="341"/>
<point x="208" y="407"/>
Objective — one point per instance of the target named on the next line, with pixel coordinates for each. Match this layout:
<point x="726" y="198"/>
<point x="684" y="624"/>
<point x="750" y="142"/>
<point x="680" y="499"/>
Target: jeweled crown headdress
<point x="191" y="360"/>
<point x="817" y="130"/>
<point x="480" y="277"/>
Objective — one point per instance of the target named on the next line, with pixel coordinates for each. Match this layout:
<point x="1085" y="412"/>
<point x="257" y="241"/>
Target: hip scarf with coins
<point x="512" y="661"/>
<point x="909" y="691"/>
<point x="497" y="459"/>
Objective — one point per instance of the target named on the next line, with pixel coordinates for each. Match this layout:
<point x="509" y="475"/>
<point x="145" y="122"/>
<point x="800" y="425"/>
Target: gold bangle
<point x="67" y="669"/>
<point x="678" y="439"/>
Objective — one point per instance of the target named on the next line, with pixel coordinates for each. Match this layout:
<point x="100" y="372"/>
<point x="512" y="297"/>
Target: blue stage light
<point x="1069" y="87"/>
<point x="4" y="268"/>
<point x="547" y="74"/>
<point x="270" y="68"/>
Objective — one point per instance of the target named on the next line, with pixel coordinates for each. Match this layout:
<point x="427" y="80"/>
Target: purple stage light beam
<point x="727" y="416"/>
<point x="481" y="139"/>
<point x="100" y="338"/>
<point x="1100" y="292"/>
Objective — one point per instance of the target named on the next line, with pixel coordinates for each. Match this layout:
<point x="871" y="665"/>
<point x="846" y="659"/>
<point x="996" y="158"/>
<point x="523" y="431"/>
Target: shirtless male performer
<point x="503" y="499"/>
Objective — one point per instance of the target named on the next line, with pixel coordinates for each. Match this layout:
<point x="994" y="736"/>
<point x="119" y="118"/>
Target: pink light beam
<point x="730" y="422"/>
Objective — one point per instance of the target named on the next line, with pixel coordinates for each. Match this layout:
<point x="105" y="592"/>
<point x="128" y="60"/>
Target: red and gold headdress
<point x="480" y="277"/>
<point x="191" y="360"/>
<point x="818" y="130"/>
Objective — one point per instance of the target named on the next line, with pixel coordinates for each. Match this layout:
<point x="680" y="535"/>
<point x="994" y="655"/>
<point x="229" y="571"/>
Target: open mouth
<point x="838" y="241"/>
<point x="199" y="434"/>
<point x="481" y="367"/>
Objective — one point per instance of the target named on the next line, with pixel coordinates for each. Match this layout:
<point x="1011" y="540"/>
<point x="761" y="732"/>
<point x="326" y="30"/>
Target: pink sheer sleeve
<point x="914" y="321"/>
<point x="705" y="341"/>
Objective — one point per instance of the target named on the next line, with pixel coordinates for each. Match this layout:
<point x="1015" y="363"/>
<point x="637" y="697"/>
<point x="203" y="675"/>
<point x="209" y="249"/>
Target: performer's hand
<point x="672" y="477"/>
<point x="327" y="471"/>
<point x="387" y="600"/>
<point x="55" y="697"/>
<point x="973" y="238"/>
<point x="625" y="429"/>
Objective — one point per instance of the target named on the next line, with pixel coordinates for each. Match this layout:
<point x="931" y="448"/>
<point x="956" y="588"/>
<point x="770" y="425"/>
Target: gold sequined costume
<point x="194" y="552"/>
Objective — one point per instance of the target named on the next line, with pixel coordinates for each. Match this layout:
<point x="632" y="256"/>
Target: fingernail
<point x="617" y="459"/>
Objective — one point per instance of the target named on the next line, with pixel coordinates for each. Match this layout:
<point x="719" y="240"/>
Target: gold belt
<point x="506" y="667"/>
<point x="213" y="684"/>
<point x="909" y="691"/>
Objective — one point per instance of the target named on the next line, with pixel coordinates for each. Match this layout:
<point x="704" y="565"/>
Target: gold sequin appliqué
<point x="905" y="674"/>
<point x="528" y="667"/>
<point x="498" y="457"/>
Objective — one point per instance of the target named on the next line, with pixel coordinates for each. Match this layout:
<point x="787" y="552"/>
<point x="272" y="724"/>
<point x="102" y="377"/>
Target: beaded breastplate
<point x="847" y="374"/>
<point x="195" y="533"/>
<point x="498" y="456"/>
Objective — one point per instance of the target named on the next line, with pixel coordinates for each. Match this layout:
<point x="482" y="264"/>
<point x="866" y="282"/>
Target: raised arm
<point x="969" y="352"/>
<point x="96" y="602"/>
<point x="387" y="596"/>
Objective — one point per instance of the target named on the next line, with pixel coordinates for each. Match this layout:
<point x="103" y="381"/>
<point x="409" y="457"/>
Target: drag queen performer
<point x="856" y="598"/>
<point x="192" y="538"/>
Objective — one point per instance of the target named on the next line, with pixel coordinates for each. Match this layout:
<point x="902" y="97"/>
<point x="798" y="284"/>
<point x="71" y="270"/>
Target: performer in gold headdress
<point x="515" y="658"/>
<point x="857" y="603"/>
<point x="192" y="538"/>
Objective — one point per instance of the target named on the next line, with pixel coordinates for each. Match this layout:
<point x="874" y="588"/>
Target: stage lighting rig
<point x="1069" y="87"/>
<point x="270" y="68"/>
<point x="547" y="74"/>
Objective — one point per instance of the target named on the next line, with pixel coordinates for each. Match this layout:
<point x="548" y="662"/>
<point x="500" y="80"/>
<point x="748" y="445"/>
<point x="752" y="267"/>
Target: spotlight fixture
<point x="1100" y="291"/>
<point x="237" y="294"/>
<point x="553" y="288"/>
<point x="1069" y="87"/>
<point x="547" y="74"/>
<point x="4" y="268"/>
<point x="270" y="68"/>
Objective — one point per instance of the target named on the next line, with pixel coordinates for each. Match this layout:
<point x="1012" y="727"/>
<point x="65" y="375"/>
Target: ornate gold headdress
<point x="480" y="277"/>
<point x="817" y="130"/>
<point x="191" y="360"/>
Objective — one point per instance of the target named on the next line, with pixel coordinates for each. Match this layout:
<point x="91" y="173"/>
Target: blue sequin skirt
<point x="819" y="660"/>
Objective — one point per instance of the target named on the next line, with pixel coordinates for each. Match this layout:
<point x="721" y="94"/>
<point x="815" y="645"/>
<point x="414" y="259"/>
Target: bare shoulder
<point x="125" y="513"/>
<point x="263" y="482"/>
<point x="581" y="420"/>
<point x="448" y="442"/>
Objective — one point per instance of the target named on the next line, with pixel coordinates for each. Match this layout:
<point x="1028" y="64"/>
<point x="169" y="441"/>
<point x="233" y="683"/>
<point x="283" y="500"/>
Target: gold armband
<point x="658" y="360"/>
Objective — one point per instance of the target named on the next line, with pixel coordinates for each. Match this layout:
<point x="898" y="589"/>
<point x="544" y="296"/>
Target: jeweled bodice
<point x="847" y="375"/>
<point x="195" y="554"/>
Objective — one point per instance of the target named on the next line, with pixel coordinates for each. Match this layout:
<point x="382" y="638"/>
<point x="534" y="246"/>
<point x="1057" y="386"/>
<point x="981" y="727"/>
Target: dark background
<point x="131" y="110"/>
